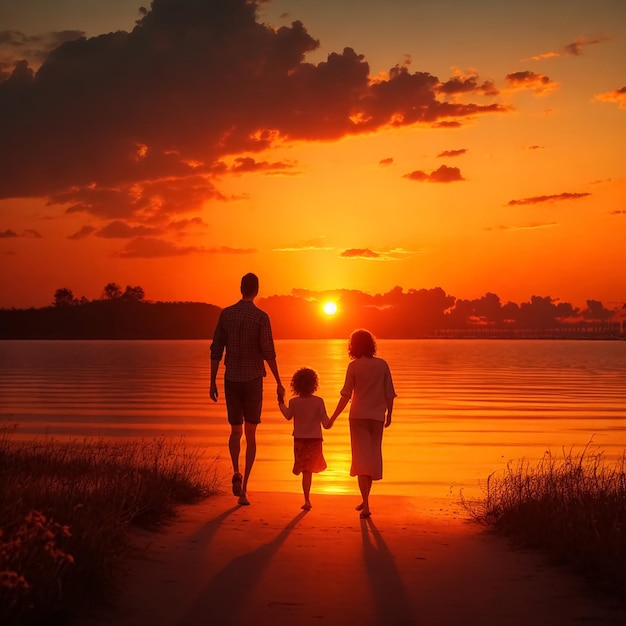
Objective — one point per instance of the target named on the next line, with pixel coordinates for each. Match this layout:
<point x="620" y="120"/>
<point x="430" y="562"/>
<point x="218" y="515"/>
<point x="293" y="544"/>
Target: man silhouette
<point x="245" y="332"/>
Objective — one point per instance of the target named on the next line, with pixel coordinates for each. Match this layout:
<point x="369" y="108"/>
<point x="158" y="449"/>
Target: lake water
<point x="464" y="407"/>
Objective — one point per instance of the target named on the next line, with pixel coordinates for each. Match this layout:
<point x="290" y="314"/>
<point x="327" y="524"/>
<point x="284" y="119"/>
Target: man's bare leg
<point x="250" y="431"/>
<point x="234" y="445"/>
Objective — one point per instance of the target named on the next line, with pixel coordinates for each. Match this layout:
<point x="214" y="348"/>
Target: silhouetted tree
<point x="510" y="312"/>
<point x="133" y="293"/>
<point x="596" y="311"/>
<point x="64" y="297"/>
<point x="112" y="291"/>
<point x="486" y="311"/>
<point x="460" y="314"/>
<point x="542" y="312"/>
<point x="489" y="308"/>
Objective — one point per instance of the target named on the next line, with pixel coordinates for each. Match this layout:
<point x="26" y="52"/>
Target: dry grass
<point x="571" y="507"/>
<point x="66" y="510"/>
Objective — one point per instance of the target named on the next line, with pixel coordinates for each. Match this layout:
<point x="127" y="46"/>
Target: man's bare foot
<point x="243" y="499"/>
<point x="365" y="514"/>
<point x="359" y="507"/>
<point x="307" y="506"/>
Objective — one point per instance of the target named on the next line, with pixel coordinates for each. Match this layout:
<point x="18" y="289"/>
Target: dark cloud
<point x="447" y="124"/>
<point x="393" y="254"/>
<point x="467" y="84"/>
<point x="244" y="165"/>
<point x="386" y="162"/>
<point x="539" y="83"/>
<point x="359" y="253"/>
<point x="135" y="124"/>
<point x="180" y="225"/>
<point x="576" y="47"/>
<point x="121" y="230"/>
<point x="407" y="99"/>
<point x="553" y="198"/>
<point x="417" y="175"/>
<point x="82" y="233"/>
<point x="452" y="153"/>
<point x="150" y="248"/>
<point x="618" y="212"/>
<point x="443" y="174"/>
<point x="146" y="200"/>
<point x="29" y="232"/>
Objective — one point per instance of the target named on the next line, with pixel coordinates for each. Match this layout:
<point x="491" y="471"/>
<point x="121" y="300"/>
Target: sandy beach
<point x="415" y="561"/>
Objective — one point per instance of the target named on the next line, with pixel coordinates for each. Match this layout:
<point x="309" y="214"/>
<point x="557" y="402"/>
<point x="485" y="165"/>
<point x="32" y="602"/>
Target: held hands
<point x="280" y="393"/>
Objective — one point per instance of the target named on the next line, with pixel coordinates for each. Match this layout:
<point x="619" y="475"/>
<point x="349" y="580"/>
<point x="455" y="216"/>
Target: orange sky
<point x="326" y="145"/>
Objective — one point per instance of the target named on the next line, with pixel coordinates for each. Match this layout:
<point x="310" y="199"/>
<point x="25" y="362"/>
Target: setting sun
<point x="330" y="308"/>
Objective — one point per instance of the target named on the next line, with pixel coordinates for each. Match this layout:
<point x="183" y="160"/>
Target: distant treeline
<point x="397" y="314"/>
<point x="431" y="313"/>
<point x="112" y="319"/>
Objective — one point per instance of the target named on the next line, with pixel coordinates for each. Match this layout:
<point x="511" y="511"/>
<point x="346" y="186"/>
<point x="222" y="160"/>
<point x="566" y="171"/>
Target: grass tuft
<point x="571" y="507"/>
<point x="66" y="511"/>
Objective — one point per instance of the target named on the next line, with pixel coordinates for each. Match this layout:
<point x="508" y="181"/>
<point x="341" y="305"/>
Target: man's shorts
<point x="244" y="401"/>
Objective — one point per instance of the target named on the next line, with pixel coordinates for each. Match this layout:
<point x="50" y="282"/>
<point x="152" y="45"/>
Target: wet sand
<point x="415" y="561"/>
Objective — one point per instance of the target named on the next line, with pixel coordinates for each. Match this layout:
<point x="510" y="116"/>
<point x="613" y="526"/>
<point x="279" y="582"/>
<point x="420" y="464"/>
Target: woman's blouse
<point x="369" y="384"/>
<point x="309" y="414"/>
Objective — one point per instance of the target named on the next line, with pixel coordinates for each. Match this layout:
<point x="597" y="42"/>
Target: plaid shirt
<point x="245" y="331"/>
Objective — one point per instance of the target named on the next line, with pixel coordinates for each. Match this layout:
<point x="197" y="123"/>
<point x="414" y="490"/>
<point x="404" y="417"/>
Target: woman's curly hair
<point x="362" y="343"/>
<point x="304" y="382"/>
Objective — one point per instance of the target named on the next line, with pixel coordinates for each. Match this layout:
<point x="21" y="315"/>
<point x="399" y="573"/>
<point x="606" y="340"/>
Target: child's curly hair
<point x="304" y="382"/>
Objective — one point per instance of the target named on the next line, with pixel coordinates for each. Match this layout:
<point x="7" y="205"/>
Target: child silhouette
<point x="309" y="415"/>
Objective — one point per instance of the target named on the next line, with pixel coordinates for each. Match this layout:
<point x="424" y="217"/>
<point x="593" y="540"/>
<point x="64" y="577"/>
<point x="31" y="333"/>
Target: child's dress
<point x="309" y="414"/>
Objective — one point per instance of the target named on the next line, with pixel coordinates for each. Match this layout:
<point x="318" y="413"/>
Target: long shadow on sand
<point x="210" y="527"/>
<point x="203" y="537"/>
<point x="393" y="607"/>
<point x="223" y="600"/>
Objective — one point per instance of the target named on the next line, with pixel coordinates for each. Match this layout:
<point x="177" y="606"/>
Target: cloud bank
<point x="139" y="124"/>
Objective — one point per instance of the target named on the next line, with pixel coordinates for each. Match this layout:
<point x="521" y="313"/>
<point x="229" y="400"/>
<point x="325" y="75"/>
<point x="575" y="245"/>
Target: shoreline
<point x="412" y="562"/>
